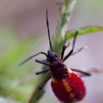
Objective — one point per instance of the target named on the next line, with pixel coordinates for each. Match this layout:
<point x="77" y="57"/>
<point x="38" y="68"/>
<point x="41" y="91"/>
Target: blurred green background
<point x="23" y="32"/>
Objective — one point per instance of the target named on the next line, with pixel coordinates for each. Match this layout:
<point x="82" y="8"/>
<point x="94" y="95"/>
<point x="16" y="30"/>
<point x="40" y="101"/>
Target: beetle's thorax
<point x="58" y="69"/>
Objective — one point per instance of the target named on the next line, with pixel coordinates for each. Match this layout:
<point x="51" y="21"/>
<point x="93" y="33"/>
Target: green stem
<point x="61" y="29"/>
<point x="66" y="10"/>
<point x="37" y="94"/>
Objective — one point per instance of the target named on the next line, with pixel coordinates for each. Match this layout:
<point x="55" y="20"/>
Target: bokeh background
<point x="23" y="32"/>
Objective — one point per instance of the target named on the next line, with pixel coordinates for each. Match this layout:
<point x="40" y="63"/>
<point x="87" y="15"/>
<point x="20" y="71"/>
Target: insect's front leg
<point x="73" y="45"/>
<point x="65" y="45"/>
<point x="44" y="62"/>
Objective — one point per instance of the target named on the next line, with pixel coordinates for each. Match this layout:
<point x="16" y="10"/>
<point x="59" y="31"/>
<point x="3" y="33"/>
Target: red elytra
<point x="70" y="89"/>
<point x="66" y="84"/>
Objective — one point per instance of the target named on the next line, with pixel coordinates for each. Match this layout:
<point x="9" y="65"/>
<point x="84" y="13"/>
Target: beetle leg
<point x="83" y="73"/>
<point x="79" y="50"/>
<point x="42" y="62"/>
<point x="45" y="81"/>
<point x="73" y="45"/>
<point x="66" y="45"/>
<point x="40" y="72"/>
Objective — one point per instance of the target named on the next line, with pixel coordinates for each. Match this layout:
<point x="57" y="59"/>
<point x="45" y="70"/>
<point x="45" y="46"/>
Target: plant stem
<point x="65" y="14"/>
<point x="38" y="93"/>
<point x="66" y="9"/>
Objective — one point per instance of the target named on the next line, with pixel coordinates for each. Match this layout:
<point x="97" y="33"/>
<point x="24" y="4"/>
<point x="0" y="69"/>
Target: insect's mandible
<point x="66" y="84"/>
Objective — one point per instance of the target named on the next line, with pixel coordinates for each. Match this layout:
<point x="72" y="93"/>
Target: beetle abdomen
<point x="70" y="89"/>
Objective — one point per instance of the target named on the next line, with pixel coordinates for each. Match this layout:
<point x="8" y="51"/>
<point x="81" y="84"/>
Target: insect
<point x="66" y="83"/>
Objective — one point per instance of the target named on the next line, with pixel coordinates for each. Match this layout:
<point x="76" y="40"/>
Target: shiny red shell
<point x="69" y="89"/>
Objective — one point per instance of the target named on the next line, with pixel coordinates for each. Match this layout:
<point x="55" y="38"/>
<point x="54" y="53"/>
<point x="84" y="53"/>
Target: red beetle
<point x="66" y="84"/>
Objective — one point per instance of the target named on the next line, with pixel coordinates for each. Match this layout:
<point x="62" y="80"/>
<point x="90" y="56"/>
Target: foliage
<point x="10" y="73"/>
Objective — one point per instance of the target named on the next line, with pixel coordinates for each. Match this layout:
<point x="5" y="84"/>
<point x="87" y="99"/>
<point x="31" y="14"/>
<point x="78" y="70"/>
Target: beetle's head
<point x="51" y="56"/>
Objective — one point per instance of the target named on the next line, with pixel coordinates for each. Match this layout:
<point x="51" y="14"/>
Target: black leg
<point x="42" y="62"/>
<point x="66" y="44"/>
<point x="41" y="72"/>
<point x="45" y="81"/>
<point x="82" y="72"/>
<point x="73" y="45"/>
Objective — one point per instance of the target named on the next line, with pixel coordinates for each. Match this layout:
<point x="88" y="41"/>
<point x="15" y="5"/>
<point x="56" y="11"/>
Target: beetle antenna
<point x="32" y="57"/>
<point x="47" y="23"/>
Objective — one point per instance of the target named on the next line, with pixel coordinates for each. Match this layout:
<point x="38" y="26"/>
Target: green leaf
<point x="83" y="31"/>
<point x="10" y="73"/>
<point x="16" y="53"/>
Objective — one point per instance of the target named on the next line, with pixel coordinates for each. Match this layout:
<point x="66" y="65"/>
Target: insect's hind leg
<point x="83" y="73"/>
<point x="45" y="81"/>
<point x="73" y="45"/>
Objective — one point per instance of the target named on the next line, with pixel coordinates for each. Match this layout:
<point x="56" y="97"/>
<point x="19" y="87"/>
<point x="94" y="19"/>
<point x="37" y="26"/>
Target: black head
<point x="51" y="56"/>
